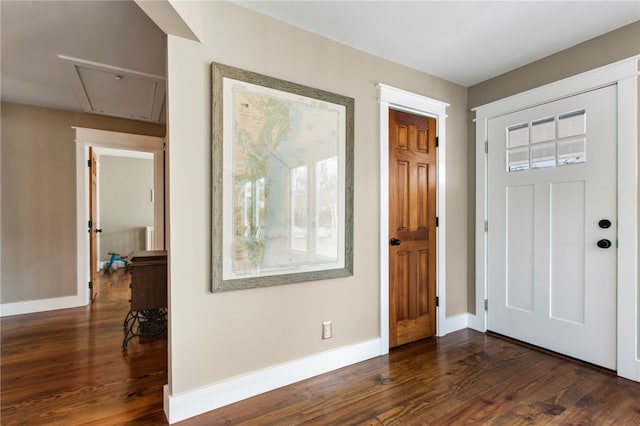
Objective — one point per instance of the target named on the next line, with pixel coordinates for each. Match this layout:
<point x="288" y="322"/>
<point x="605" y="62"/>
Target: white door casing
<point x="624" y="75"/>
<point x="115" y="140"/>
<point x="391" y="97"/>
<point x="551" y="179"/>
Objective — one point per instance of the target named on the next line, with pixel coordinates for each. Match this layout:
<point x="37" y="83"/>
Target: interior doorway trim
<point x="393" y="98"/>
<point x="624" y="74"/>
<point x="122" y="141"/>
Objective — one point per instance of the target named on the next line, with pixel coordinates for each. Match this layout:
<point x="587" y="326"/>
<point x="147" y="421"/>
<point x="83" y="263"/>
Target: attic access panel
<point x="103" y="89"/>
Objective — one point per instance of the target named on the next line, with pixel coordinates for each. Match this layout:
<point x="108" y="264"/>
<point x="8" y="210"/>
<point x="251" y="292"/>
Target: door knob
<point x="604" y="243"/>
<point x="98" y="230"/>
<point x="604" y="223"/>
<point x="395" y="242"/>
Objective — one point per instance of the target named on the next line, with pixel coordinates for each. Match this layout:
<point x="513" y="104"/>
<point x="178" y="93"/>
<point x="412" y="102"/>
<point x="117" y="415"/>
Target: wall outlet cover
<point x="326" y="330"/>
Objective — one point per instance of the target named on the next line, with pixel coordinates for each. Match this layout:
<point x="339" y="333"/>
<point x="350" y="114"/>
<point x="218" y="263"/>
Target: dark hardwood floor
<point x="67" y="368"/>
<point x="464" y="378"/>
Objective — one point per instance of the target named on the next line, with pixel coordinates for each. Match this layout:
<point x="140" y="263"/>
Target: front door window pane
<point x="518" y="135"/>
<point x="518" y="159"/>
<point x="543" y="130"/>
<point x="543" y="155"/>
<point x="572" y="124"/>
<point x="572" y="151"/>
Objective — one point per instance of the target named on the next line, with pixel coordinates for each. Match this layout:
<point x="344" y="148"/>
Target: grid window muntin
<point x="547" y="142"/>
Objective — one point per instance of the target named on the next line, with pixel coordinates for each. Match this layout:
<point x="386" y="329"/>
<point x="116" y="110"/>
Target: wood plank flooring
<point x="463" y="378"/>
<point x="66" y="368"/>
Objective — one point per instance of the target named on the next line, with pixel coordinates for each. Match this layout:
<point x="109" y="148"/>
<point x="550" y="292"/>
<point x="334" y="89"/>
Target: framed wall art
<point x="282" y="181"/>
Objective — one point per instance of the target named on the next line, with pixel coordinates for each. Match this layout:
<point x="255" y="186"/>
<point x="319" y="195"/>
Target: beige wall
<point x="219" y="336"/>
<point x="38" y="234"/>
<point x="125" y="203"/>
<point x="608" y="48"/>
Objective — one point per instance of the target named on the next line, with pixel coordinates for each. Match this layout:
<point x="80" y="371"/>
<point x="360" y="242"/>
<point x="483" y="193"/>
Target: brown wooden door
<point x="93" y="226"/>
<point x="412" y="227"/>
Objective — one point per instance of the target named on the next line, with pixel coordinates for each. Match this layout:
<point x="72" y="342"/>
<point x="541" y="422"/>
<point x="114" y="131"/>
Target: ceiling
<point x="108" y="57"/>
<point x="466" y="42"/>
<point x="104" y="57"/>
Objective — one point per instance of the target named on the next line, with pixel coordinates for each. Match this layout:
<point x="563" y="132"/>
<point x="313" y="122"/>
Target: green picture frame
<point x="282" y="181"/>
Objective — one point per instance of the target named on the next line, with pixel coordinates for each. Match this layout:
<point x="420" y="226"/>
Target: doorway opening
<point x="111" y="142"/>
<point x="124" y="215"/>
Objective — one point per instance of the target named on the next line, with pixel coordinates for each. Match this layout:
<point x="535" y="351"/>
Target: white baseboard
<point x="631" y="370"/>
<point x="451" y="324"/>
<point x="190" y="404"/>
<point x="477" y="322"/>
<point x="41" y="305"/>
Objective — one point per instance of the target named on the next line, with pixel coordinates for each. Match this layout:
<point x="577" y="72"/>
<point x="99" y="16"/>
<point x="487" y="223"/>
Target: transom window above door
<point x="547" y="142"/>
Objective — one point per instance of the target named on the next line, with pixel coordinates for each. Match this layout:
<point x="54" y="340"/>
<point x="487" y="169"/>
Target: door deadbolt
<point x="604" y="223"/>
<point x="604" y="243"/>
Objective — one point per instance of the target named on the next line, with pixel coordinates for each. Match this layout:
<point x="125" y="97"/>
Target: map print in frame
<point x="282" y="182"/>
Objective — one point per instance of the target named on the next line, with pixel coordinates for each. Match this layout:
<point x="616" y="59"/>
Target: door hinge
<point x="486" y="304"/>
<point x="90" y="224"/>
<point x="486" y="147"/>
<point x="88" y="163"/>
<point x="437" y="141"/>
<point x="90" y="285"/>
<point x="437" y="221"/>
<point x="486" y="226"/>
<point x="437" y="301"/>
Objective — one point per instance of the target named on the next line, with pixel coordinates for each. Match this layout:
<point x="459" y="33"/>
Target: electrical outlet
<point x="326" y="330"/>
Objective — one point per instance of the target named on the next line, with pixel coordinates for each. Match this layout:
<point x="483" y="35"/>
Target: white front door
<point x="552" y="226"/>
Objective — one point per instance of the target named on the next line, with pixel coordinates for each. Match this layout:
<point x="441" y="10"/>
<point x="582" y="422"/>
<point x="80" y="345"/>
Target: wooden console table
<point x="148" y="313"/>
